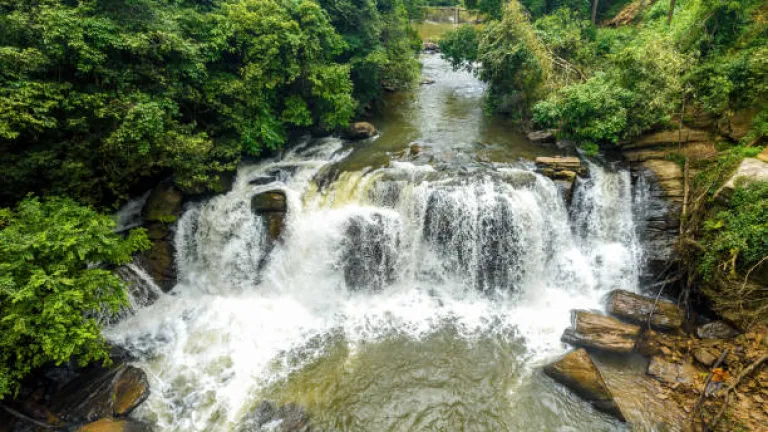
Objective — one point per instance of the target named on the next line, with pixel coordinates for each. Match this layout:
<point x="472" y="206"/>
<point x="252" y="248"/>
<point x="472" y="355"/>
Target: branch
<point x="747" y="370"/>
<point x="27" y="418"/>
<point x="697" y="407"/>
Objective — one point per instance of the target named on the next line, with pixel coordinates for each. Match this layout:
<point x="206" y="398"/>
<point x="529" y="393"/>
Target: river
<point x="423" y="278"/>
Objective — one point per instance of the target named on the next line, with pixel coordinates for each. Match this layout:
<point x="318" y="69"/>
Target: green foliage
<point x="492" y="8"/>
<point x="53" y="286"/>
<point x="737" y="237"/>
<point x="460" y="46"/>
<point x="95" y="96"/>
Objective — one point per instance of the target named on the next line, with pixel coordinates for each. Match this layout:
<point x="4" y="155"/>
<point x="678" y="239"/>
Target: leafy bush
<point x="51" y="287"/>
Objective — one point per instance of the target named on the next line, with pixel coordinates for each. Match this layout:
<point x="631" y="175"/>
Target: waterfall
<point x="403" y="250"/>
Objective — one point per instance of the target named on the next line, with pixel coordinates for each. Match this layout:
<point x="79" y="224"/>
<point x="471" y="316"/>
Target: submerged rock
<point x="426" y="81"/>
<point x="578" y="372"/>
<point x="591" y="330"/>
<point x="634" y="308"/>
<point x="102" y="393"/>
<point x="716" y="330"/>
<point x="115" y="425"/>
<point x="361" y="130"/>
<point x="287" y="418"/>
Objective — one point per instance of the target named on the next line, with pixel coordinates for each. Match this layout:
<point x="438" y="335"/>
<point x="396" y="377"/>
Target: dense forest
<point x="101" y="99"/>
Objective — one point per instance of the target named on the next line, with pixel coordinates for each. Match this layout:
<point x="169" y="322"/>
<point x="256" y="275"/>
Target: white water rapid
<point x="399" y="252"/>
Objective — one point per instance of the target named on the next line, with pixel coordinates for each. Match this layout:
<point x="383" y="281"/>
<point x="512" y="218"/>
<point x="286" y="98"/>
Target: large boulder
<point x="361" y="130"/>
<point x="592" y="330"/>
<point x="751" y="170"/>
<point x="578" y="372"/>
<point x="716" y="330"/>
<point x="102" y="393"/>
<point x="634" y="308"/>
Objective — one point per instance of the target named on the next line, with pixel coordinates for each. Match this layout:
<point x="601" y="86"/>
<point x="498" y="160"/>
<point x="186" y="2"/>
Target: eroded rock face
<point x="716" y="330"/>
<point x="634" y="308"/>
<point x="560" y="163"/>
<point x="102" y="393"/>
<point x="361" y="130"/>
<point x="592" y="330"/>
<point x="751" y="170"/>
<point x="267" y="416"/>
<point x="578" y="372"/>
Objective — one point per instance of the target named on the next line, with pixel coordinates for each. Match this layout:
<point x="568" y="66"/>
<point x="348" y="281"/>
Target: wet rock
<point x="115" y="425"/>
<point x="287" y="418"/>
<point x="578" y="372"/>
<point x="361" y="130"/>
<point x="634" y="308"/>
<point x="370" y="251"/>
<point x="716" y="330"/>
<point x="426" y="81"/>
<point x="591" y="330"/>
<point x="673" y="373"/>
<point x="160" y="212"/>
<point x="102" y="393"/>
<point x="542" y="137"/>
<point x="751" y="170"/>
<point x="272" y="207"/>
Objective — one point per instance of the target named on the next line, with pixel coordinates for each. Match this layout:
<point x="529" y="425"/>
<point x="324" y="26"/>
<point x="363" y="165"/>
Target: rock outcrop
<point x="272" y="206"/>
<point x="592" y="330"/>
<point x="673" y="373"/>
<point x="634" y="308"/>
<point x="564" y="171"/>
<point x="751" y="170"/>
<point x="578" y="372"/>
<point x="361" y="130"/>
<point x="115" y="425"/>
<point x="159" y="213"/>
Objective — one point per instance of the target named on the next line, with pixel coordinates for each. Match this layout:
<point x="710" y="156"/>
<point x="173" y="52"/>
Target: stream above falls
<point x="422" y="279"/>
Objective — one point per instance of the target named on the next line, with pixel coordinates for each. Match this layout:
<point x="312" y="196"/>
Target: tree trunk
<point x="594" y="10"/>
<point x="671" y="11"/>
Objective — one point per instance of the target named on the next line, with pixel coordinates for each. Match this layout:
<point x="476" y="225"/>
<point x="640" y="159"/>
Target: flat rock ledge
<point x="579" y="373"/>
<point x="596" y="331"/>
<point x="637" y="309"/>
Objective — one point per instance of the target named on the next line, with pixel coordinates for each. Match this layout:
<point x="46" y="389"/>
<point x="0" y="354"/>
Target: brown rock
<point x="558" y="163"/>
<point x="131" y="389"/>
<point x="672" y="373"/>
<point x="361" y="130"/>
<point x="665" y="138"/>
<point x="115" y="425"/>
<point x="272" y="201"/>
<point x="704" y="356"/>
<point x="591" y="330"/>
<point x="578" y="372"/>
<point x="763" y="156"/>
<point x="634" y="308"/>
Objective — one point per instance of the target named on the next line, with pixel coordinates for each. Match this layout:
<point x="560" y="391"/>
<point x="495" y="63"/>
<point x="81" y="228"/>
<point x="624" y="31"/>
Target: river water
<point x="423" y="278"/>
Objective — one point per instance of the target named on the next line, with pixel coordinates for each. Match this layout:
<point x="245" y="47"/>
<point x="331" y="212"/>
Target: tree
<point x="671" y="11"/>
<point x="54" y="284"/>
<point x="595" y="3"/>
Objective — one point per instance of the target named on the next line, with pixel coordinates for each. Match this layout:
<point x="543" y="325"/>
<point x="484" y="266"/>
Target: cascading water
<point x="402" y="297"/>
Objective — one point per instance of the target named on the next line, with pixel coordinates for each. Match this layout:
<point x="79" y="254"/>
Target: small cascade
<point x="141" y="289"/>
<point x="129" y="215"/>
